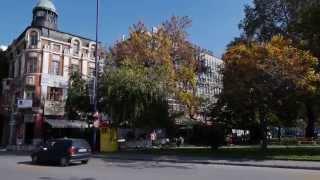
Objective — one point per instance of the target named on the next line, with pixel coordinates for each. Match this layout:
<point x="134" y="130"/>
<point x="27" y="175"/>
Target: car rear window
<point x="80" y="143"/>
<point x="62" y="144"/>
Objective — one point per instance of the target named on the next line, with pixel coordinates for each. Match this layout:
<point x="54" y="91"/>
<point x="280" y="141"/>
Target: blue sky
<point x="215" y="22"/>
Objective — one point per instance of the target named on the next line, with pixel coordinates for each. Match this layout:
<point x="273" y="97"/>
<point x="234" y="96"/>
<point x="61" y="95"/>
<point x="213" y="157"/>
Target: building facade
<point x="209" y="82"/>
<point x="41" y="61"/>
<point x="209" y="85"/>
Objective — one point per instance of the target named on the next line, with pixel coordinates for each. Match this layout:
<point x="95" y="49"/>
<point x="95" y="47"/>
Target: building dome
<point x="45" y="15"/>
<point x="47" y="5"/>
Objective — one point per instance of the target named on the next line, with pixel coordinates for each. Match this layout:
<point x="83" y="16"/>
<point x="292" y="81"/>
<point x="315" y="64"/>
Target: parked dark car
<point x="62" y="151"/>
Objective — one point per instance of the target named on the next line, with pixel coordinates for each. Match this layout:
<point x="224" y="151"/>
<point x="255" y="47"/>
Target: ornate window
<point x="41" y="13"/>
<point x="76" y="47"/>
<point x="33" y="38"/>
<point x="93" y="51"/>
<point x="55" y="65"/>
<point x="75" y="68"/>
<point x="56" y="48"/>
<point x="32" y="65"/>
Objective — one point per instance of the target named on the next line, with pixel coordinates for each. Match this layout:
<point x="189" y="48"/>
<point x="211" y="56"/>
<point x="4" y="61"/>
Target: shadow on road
<point x="145" y="164"/>
<point x="74" y="178"/>
<point x="29" y="163"/>
<point x="10" y="153"/>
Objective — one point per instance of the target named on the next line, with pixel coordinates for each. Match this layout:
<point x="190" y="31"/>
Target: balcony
<point x="31" y="46"/>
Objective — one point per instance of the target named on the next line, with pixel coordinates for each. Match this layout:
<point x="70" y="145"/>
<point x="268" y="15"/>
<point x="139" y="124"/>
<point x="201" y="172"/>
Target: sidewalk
<point x="305" y="165"/>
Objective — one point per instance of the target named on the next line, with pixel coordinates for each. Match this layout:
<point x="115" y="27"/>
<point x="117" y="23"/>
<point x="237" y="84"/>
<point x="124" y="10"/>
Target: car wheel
<point x="64" y="161"/>
<point x="35" y="159"/>
<point x="85" y="162"/>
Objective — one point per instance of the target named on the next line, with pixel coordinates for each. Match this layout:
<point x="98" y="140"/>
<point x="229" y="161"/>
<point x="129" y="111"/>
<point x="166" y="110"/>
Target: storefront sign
<point x="54" y="108"/>
<point x="24" y="103"/>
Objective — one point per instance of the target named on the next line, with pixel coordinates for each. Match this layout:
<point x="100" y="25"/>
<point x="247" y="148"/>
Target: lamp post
<point x="95" y="85"/>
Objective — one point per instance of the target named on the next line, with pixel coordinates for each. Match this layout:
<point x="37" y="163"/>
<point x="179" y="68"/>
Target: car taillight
<point x="72" y="151"/>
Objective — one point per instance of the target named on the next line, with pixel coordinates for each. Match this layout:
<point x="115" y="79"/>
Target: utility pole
<point x="95" y="82"/>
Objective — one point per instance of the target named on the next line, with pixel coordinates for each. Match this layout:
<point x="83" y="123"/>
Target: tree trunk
<point x="279" y="133"/>
<point x="311" y="121"/>
<point x="264" y="143"/>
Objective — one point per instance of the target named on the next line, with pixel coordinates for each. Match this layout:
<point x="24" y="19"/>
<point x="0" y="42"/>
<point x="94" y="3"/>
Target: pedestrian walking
<point x="153" y="137"/>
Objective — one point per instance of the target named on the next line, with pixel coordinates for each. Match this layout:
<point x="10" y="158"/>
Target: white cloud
<point x="3" y="47"/>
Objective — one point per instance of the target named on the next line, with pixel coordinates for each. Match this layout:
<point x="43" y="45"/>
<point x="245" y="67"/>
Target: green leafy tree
<point x="78" y="101"/>
<point x="260" y="78"/>
<point x="135" y="86"/>
<point x="148" y="68"/>
<point x="184" y="57"/>
<point x="294" y="19"/>
<point x="307" y="29"/>
<point x="267" y="18"/>
<point x="133" y="99"/>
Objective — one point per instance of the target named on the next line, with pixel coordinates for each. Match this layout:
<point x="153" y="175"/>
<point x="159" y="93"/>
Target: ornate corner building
<point x="41" y="60"/>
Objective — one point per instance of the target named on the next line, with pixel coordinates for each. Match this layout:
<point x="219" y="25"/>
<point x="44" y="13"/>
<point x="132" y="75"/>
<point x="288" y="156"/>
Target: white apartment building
<point x="209" y="83"/>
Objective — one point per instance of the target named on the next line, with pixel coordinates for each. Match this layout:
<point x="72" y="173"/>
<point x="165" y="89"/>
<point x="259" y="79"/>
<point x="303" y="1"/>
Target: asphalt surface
<point x="18" y="167"/>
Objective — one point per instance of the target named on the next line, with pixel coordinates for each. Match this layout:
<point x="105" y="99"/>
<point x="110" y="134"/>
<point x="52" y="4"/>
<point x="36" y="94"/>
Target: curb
<point x="211" y="163"/>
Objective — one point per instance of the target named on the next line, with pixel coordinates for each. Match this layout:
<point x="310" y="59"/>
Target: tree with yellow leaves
<point x="149" y="67"/>
<point x="259" y="78"/>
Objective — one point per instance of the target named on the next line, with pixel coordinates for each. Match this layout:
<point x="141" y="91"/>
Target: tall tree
<point x="261" y="77"/>
<point x="139" y="78"/>
<point x="165" y="57"/>
<point x="294" y="19"/>
<point x="184" y="57"/>
<point x="267" y="18"/>
<point x="130" y="95"/>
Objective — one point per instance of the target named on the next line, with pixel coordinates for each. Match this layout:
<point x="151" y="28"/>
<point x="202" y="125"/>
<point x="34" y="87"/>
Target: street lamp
<point x="95" y="83"/>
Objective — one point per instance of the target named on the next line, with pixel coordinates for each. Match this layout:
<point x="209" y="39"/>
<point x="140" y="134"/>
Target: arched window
<point x="93" y="51"/>
<point x="76" y="47"/>
<point x="32" y="64"/>
<point x="55" y="68"/>
<point x="34" y="38"/>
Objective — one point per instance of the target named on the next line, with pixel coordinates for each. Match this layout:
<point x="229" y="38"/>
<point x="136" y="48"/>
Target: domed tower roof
<point x="47" y="5"/>
<point x="45" y="15"/>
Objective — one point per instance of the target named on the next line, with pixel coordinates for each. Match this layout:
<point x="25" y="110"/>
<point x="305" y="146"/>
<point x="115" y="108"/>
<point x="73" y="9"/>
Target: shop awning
<point x="61" y="123"/>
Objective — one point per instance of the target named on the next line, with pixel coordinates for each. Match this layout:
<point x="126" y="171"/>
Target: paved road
<point x="13" y="167"/>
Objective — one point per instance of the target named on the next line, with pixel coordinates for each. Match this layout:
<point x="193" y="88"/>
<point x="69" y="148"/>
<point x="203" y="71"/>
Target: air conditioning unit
<point x="30" y="81"/>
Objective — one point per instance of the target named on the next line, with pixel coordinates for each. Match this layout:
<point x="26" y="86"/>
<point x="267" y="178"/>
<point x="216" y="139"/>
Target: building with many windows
<point x="41" y="61"/>
<point x="209" y="83"/>
<point x="209" y="86"/>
